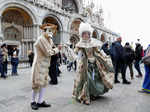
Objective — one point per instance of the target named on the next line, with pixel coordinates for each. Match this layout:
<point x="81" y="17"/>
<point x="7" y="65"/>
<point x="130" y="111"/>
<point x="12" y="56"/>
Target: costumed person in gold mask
<point x="44" y="49"/>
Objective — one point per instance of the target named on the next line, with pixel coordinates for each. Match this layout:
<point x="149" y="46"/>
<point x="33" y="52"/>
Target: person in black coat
<point x="1" y="65"/>
<point x="4" y="61"/>
<point x="138" y="57"/>
<point x="129" y="57"/>
<point x="105" y="48"/>
<point x="53" y="70"/>
<point x="117" y="56"/>
<point x="31" y="57"/>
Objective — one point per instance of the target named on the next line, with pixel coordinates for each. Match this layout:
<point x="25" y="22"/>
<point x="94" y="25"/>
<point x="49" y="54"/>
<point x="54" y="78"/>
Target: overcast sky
<point x="130" y="18"/>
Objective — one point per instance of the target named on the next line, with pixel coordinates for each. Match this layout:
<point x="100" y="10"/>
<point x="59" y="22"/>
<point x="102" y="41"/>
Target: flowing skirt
<point x="89" y="83"/>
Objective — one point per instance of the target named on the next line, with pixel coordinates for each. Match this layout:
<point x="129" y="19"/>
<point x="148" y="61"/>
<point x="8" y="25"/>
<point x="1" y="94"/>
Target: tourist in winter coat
<point x="129" y="57"/>
<point x="138" y="57"/>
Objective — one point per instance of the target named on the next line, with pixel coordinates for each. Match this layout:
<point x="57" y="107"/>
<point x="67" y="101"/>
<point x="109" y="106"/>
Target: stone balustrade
<point x="50" y="4"/>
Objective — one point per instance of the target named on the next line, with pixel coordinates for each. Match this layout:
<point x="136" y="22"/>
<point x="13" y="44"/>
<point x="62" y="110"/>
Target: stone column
<point x="31" y="46"/>
<point x="27" y="49"/>
<point x="37" y="31"/>
<point x="23" y="50"/>
<point x="65" y="37"/>
<point x="1" y="33"/>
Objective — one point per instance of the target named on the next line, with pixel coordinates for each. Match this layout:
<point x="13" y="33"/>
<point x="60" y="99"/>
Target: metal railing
<point x="22" y="64"/>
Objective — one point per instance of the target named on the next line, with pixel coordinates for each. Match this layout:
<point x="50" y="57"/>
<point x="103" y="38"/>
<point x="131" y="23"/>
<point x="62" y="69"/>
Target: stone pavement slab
<point x="15" y="96"/>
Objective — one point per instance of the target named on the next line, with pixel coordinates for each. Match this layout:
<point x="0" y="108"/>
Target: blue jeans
<point x="3" y="69"/>
<point x="137" y="66"/>
<point x="14" y="69"/>
<point x="14" y="63"/>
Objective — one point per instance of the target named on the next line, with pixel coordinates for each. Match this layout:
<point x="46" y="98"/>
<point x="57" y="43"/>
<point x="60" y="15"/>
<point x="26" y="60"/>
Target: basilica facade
<point x="20" y="21"/>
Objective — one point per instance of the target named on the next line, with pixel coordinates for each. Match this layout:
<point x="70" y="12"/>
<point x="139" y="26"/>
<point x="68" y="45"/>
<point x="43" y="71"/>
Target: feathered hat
<point x="49" y="26"/>
<point x="85" y="27"/>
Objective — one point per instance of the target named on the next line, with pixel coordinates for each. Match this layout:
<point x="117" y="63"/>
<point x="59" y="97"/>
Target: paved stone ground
<point x="15" y="96"/>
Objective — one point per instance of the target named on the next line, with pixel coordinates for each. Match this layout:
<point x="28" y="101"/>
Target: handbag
<point x="146" y="60"/>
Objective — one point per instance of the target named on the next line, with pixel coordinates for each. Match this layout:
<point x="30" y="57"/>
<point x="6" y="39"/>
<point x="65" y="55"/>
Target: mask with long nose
<point x="49" y="33"/>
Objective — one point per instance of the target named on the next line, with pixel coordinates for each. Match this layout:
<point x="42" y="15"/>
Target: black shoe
<point x="34" y="106"/>
<point x="43" y="104"/>
<point x="126" y="82"/>
<point x="4" y="77"/>
<point x="52" y="83"/>
<point x="93" y="98"/>
<point x="116" y="81"/>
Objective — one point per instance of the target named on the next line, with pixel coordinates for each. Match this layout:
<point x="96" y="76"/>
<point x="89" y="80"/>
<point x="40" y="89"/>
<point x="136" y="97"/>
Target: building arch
<point x="74" y="39"/>
<point x="78" y="5"/>
<point x="103" y="37"/>
<point x="17" y="26"/>
<point x="71" y="21"/>
<point x="56" y="18"/>
<point x="74" y="29"/>
<point x="12" y="33"/>
<point x="20" y="5"/>
<point x="50" y="18"/>
<point x="95" y="34"/>
<point x="71" y="5"/>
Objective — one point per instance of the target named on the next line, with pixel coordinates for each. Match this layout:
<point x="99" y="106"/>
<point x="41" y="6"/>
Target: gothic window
<point x="94" y="34"/>
<point x="102" y="38"/>
<point x="12" y="33"/>
<point x="75" y="26"/>
<point x="69" y="5"/>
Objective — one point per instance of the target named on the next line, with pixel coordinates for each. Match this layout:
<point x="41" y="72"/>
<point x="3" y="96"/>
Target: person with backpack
<point x="129" y="57"/>
<point x="105" y="48"/>
<point x="138" y="57"/>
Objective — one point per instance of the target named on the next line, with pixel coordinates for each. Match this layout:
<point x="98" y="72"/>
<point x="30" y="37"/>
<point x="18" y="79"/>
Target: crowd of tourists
<point x="123" y="57"/>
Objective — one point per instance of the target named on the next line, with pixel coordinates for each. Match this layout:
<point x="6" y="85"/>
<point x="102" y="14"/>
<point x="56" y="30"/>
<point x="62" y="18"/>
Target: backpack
<point x="142" y="53"/>
<point x="129" y="55"/>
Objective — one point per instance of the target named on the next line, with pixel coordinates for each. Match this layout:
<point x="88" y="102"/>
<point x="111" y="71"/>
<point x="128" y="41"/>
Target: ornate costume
<point x="94" y="76"/>
<point x="43" y="52"/>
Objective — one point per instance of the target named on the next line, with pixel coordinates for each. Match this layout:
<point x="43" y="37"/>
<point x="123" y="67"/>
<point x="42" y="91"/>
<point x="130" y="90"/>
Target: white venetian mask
<point x="49" y="32"/>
